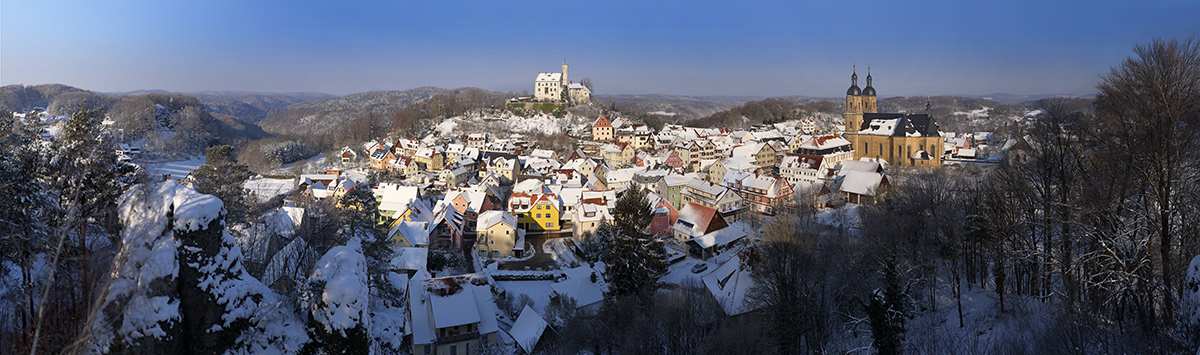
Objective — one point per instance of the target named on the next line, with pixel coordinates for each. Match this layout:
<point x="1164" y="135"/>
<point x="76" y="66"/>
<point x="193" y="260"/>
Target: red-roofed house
<point x="696" y="220"/>
<point x="602" y="130"/>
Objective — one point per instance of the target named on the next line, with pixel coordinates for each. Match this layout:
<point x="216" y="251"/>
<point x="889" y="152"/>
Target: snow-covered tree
<point x="338" y="302"/>
<point x="634" y="259"/>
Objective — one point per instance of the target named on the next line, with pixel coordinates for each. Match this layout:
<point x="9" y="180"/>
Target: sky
<point x="690" y="47"/>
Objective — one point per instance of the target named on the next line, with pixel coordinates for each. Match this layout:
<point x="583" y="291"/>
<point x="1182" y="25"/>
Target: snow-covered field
<point x="178" y="169"/>
<point x="266" y="189"/>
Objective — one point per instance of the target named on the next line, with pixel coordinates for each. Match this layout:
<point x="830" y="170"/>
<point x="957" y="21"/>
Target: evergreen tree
<point x="635" y="258"/>
<point x="888" y="311"/>
<point x="222" y="176"/>
<point x="24" y="204"/>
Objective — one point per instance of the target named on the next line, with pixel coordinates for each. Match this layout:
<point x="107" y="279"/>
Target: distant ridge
<point x="327" y="115"/>
<point x="1009" y="99"/>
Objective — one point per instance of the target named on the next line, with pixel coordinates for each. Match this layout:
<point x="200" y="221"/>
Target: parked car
<point x="698" y="268"/>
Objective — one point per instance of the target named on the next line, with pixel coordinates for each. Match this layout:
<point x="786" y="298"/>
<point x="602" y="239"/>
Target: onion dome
<point x="853" y="90"/>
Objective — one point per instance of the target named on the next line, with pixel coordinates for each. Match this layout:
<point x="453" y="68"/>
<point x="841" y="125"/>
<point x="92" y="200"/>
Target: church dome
<point x="868" y="91"/>
<point x="853" y="91"/>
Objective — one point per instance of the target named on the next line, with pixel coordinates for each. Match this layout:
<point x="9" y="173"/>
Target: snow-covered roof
<point x="721" y="237"/>
<point x="395" y="197"/>
<point x="860" y="182"/>
<point x="528" y="328"/>
<point x="452" y="309"/>
<point x="696" y="220"/>
<point x="581" y="289"/>
<point x="415" y="232"/>
<point x="549" y="77"/>
<point x="859" y="165"/>
<point x="706" y="187"/>
<point x="487" y="219"/>
<point x="884" y="127"/>
<point x="729" y="284"/>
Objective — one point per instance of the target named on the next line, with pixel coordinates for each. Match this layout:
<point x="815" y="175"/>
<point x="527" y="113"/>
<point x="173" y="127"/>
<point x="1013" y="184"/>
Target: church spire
<point x="854" y="74"/>
<point x="854" y="90"/>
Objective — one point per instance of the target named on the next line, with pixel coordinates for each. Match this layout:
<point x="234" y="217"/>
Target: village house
<point x="348" y="155"/>
<point x="452" y="315"/>
<point x="764" y="193"/>
<point x="497" y="235"/>
<point x="602" y="130"/>
<point x="618" y="154"/>
<point x="477" y="140"/>
<point x="696" y="220"/>
<point x="537" y="212"/>
<point x="715" y="196"/>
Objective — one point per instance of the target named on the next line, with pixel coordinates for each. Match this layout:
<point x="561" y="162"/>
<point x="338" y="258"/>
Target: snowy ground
<point x="539" y="291"/>
<point x="558" y="249"/>
<point x="509" y="123"/>
<point x="266" y="189"/>
<point x="310" y="163"/>
<point x="178" y="169"/>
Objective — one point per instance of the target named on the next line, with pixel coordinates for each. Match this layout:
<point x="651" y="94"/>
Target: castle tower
<point x="854" y="105"/>
<point x="869" y="95"/>
<point x="565" y="80"/>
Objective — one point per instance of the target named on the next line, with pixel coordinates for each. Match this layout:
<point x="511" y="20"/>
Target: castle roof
<point x="549" y="77"/>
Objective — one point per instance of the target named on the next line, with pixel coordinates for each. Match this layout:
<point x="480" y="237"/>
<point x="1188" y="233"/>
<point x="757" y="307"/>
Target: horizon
<point x="712" y="49"/>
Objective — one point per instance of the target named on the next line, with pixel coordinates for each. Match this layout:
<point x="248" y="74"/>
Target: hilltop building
<point x="902" y="139"/>
<point x="550" y="87"/>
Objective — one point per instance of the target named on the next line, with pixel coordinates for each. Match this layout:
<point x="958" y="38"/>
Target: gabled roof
<point x="602" y="122"/>
<point x="487" y="219"/>
<point x="527" y="330"/>
<point x="860" y="182"/>
<point x="394" y="197"/>
<point x="696" y="220"/>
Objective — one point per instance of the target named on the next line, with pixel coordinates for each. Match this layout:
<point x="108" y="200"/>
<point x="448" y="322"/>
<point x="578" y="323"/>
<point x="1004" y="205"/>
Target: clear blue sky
<point x="674" y="47"/>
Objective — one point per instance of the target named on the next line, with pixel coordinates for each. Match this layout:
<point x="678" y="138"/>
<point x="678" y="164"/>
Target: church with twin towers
<point x="901" y="139"/>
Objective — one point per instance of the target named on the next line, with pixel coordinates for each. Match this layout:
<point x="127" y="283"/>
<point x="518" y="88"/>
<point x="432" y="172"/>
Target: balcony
<point x="457" y="338"/>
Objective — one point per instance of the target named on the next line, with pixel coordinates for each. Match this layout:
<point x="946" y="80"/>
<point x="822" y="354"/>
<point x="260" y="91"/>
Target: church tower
<point x="854" y="105"/>
<point x="869" y="95"/>
<point x="565" y="80"/>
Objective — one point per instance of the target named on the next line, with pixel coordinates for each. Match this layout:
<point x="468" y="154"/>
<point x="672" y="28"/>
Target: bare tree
<point x="1149" y="109"/>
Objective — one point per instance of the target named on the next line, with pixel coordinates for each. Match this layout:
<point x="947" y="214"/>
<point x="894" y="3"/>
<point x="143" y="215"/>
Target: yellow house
<point x="539" y="212"/>
<point x="618" y="154"/>
<point x="496" y="234"/>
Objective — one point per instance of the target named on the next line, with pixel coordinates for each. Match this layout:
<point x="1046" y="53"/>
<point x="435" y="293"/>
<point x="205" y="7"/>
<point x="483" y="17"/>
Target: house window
<point x="454" y="350"/>
<point x="539" y="215"/>
<point x="549" y="224"/>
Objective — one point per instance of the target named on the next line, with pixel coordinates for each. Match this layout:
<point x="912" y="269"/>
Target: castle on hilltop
<point x="902" y="139"/>
<point x="550" y="87"/>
